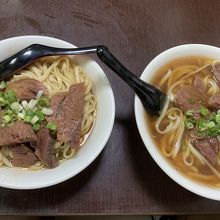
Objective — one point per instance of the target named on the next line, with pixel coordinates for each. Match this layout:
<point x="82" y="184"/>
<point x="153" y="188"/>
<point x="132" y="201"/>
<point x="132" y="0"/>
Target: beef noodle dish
<point x="188" y="130"/>
<point x="46" y="112"/>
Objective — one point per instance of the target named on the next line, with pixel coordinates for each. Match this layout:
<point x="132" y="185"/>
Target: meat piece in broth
<point x="208" y="147"/>
<point x="191" y="97"/>
<point x="27" y="89"/>
<point x="44" y="148"/>
<point x="17" y="133"/>
<point x="216" y="71"/>
<point x="22" y="156"/>
<point x="68" y="113"/>
<point x="214" y="102"/>
<point x="199" y="84"/>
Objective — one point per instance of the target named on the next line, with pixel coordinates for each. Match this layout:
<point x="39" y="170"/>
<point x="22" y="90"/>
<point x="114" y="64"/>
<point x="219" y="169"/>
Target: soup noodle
<point x="57" y="74"/>
<point x="174" y="139"/>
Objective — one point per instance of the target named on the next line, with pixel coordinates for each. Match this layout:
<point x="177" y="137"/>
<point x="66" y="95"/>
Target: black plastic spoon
<point x="151" y="97"/>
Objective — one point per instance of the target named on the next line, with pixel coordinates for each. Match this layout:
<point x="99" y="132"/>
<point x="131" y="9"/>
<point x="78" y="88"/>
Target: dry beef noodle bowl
<point x="188" y="130"/>
<point x="58" y="75"/>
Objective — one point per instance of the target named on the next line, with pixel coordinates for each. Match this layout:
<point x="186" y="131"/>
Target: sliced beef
<point x="19" y="132"/>
<point x="68" y="114"/>
<point x="56" y="101"/>
<point x="27" y="89"/>
<point x="208" y="147"/>
<point x="44" y="148"/>
<point x="216" y="71"/>
<point x="214" y="102"/>
<point x="191" y="97"/>
<point x="199" y="84"/>
<point x="22" y="156"/>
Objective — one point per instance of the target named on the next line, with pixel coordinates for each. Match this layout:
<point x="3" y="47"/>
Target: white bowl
<point x="18" y="179"/>
<point x="150" y="70"/>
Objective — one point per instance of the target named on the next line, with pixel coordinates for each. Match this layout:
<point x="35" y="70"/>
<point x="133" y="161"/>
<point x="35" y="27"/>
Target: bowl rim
<point x="160" y="60"/>
<point x="111" y="117"/>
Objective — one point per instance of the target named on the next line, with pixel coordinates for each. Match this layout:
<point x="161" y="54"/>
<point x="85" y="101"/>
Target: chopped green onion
<point x="32" y="103"/>
<point x="27" y="119"/>
<point x="16" y="106"/>
<point x="188" y="124"/>
<point x="10" y="96"/>
<point x="34" y="120"/>
<point x="217" y="118"/>
<point x="44" y="101"/>
<point x="211" y="124"/>
<point x="2" y="101"/>
<point x="47" y="111"/>
<point x="203" y="111"/>
<point x="52" y="126"/>
<point x="201" y="125"/>
<point x="189" y="113"/>
<point x="2" y="125"/>
<point x="21" y="116"/>
<point x="40" y="115"/>
<point x="36" y="127"/>
<point x="39" y="94"/>
<point x="30" y="113"/>
<point x="25" y="104"/>
<point x="7" y="118"/>
<point x="3" y="85"/>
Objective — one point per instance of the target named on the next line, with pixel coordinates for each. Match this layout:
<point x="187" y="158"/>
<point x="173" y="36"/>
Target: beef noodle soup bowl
<point x="53" y="120"/>
<point x="184" y="139"/>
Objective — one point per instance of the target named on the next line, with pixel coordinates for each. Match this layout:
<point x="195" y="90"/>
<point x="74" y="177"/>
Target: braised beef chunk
<point x="208" y="147"/>
<point x="22" y="156"/>
<point x="27" y="89"/>
<point x="187" y="98"/>
<point x="44" y="149"/>
<point x="198" y="83"/>
<point x="214" y="102"/>
<point x="191" y="97"/>
<point x="68" y="115"/>
<point x="19" y="132"/>
<point x="216" y="71"/>
<point x="56" y="101"/>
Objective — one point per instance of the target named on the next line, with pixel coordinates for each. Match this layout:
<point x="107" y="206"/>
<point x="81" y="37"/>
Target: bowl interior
<point x="24" y="179"/>
<point x="148" y="73"/>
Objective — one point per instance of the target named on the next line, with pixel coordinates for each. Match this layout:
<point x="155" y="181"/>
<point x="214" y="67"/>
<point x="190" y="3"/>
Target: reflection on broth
<point x="188" y="129"/>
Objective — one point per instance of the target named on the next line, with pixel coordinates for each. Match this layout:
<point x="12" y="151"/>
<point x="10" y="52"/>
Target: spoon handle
<point x="151" y="97"/>
<point x="35" y="51"/>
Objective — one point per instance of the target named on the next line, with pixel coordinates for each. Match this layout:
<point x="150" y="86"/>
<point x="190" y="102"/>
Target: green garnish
<point x="10" y="96"/>
<point x="52" y="126"/>
<point x="207" y="125"/>
<point x="40" y="115"/>
<point x="30" y="113"/>
<point x="201" y="125"/>
<point x="44" y="101"/>
<point x="211" y="124"/>
<point x="188" y="124"/>
<point x="203" y="111"/>
<point x="27" y="119"/>
<point x="3" y="85"/>
<point x="190" y="113"/>
<point x="36" y="127"/>
<point x="7" y="118"/>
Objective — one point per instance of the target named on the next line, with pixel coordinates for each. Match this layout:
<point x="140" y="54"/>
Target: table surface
<point x="124" y="179"/>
